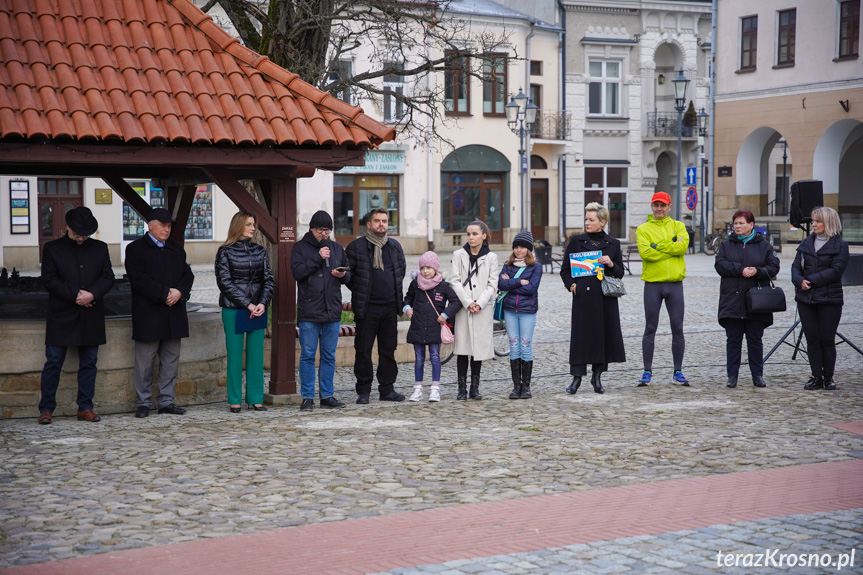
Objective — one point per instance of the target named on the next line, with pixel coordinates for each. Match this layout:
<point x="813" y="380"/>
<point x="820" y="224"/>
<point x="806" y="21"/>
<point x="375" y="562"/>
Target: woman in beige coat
<point x="474" y="279"/>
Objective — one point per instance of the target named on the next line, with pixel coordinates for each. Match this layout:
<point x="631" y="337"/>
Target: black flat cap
<point x="160" y="214"/>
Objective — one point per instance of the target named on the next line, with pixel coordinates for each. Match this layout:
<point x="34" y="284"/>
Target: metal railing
<point x="664" y="125"/>
<point x="552" y="125"/>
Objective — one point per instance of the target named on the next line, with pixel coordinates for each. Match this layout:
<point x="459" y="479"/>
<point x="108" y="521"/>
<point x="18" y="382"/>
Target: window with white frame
<point x="394" y="91"/>
<point x="604" y="89"/>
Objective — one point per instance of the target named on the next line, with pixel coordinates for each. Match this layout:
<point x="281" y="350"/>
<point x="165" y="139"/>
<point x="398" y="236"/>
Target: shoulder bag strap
<point x="430" y="301"/>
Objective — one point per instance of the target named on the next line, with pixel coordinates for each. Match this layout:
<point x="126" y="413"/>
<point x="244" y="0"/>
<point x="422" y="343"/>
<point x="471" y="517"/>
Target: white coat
<point x="473" y="331"/>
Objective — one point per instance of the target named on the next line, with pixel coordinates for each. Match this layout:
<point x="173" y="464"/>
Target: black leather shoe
<point x="363" y="399"/>
<point x="829" y="384"/>
<point x="172" y="409"/>
<point x="473" y="391"/>
<point x="814" y="383"/>
<point x="308" y="405"/>
<point x="573" y="387"/>
<point x="142" y="411"/>
<point x="393" y="396"/>
<point x="462" y="389"/>
<point x="758" y="381"/>
<point x="596" y="383"/>
<point x="331" y="402"/>
<point x="258" y="407"/>
<point x="236" y="409"/>
<point x="732" y="382"/>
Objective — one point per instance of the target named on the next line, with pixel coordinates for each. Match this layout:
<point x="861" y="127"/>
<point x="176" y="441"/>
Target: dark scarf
<point x="473" y="263"/>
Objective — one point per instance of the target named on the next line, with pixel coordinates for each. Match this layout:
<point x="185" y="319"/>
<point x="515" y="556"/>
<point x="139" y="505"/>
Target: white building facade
<point x="621" y="59"/>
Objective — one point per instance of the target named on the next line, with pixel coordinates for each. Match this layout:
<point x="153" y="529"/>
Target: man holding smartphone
<point x="319" y="266"/>
<point x="662" y="243"/>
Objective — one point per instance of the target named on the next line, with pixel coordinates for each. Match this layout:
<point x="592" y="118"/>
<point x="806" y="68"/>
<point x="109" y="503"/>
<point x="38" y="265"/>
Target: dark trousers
<point x="55" y="355"/>
<point x="380" y="322"/>
<point x="580" y="369"/>
<point x="654" y="294"/>
<point x="820" y="323"/>
<point x="735" y="329"/>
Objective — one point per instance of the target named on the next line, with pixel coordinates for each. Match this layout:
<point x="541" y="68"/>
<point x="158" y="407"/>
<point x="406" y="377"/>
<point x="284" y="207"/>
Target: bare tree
<point x="411" y="41"/>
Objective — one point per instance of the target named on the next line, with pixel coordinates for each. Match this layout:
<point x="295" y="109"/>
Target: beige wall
<point x="802" y="128"/>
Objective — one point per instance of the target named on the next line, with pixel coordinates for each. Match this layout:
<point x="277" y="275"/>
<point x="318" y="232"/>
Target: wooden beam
<point x="333" y="157"/>
<point x="125" y="191"/>
<point x="283" y="363"/>
<point x="180" y="200"/>
<point x="241" y="197"/>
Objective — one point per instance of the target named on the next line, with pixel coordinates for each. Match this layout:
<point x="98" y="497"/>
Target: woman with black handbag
<point x="595" y="335"/>
<point x="745" y="262"/>
<point x="817" y="275"/>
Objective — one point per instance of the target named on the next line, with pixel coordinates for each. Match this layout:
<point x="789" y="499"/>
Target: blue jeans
<point x="310" y="334"/>
<point x="420" y="359"/>
<point x="519" y="330"/>
<point x="54" y="357"/>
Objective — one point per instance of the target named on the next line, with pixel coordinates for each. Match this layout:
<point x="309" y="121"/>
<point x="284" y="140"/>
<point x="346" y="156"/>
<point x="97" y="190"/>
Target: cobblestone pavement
<point x="76" y="489"/>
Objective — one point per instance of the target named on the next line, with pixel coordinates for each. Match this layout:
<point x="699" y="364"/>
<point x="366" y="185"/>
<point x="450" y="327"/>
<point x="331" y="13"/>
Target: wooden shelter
<point x="154" y="89"/>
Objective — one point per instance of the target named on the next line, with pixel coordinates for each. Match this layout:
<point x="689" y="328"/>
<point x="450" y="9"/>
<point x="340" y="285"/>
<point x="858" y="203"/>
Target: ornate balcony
<point x="552" y="125"/>
<point x="664" y="125"/>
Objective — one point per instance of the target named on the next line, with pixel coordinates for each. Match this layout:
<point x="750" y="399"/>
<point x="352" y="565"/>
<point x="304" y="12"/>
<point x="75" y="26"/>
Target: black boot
<point x="732" y="381"/>
<point x="573" y="387"/>
<point x="758" y="381"/>
<point x="815" y="382"/>
<point x="596" y="383"/>
<point x="462" y="388"/>
<point x="474" y="387"/>
<point x="829" y="384"/>
<point x="526" y="371"/>
<point x="515" y="367"/>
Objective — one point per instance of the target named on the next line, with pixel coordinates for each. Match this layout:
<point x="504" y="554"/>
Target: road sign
<point x="691" y="198"/>
<point x="691" y="175"/>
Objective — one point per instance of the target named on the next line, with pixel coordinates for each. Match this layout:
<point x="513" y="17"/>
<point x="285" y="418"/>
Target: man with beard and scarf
<point x="319" y="266"/>
<point x="377" y="297"/>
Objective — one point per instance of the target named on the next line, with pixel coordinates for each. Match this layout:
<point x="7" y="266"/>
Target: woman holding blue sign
<point x="595" y="334"/>
<point x="246" y="285"/>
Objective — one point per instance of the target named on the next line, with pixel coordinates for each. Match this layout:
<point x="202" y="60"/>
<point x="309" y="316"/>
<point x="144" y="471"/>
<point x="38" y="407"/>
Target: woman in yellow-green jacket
<point x="662" y="242"/>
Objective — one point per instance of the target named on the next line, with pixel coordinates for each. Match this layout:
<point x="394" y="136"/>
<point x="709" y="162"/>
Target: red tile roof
<point x="153" y="71"/>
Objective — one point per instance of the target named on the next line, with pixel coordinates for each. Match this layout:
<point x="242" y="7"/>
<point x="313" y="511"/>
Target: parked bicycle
<point x="713" y="241"/>
<point x="501" y="343"/>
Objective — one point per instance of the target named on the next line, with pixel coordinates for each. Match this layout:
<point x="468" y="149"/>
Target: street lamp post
<point x="520" y="117"/>
<point x="702" y="133"/>
<point x="681" y="82"/>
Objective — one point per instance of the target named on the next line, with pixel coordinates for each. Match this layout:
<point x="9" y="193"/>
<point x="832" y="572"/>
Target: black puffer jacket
<point x="424" y="326"/>
<point x="360" y="253"/>
<point x="319" y="293"/>
<point x="823" y="270"/>
<point x="733" y="256"/>
<point x="243" y="275"/>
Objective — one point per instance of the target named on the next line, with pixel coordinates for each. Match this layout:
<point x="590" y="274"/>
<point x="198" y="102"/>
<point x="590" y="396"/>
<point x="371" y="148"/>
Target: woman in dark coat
<point x="817" y="276"/>
<point x="746" y="261"/>
<point x="595" y="335"/>
<point x="246" y="284"/>
<point x="429" y="303"/>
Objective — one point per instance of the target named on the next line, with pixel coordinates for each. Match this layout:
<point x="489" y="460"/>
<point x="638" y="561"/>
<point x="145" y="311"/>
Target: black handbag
<point x="765" y="299"/>
<point x="613" y="287"/>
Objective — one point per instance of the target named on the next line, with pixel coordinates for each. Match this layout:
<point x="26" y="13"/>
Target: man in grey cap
<point x="161" y="282"/>
<point x="76" y="271"/>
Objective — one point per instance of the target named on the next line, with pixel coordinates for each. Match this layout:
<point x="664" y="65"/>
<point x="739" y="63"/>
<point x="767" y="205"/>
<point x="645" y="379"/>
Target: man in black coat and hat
<point x="161" y="283"/>
<point x="76" y="271"/>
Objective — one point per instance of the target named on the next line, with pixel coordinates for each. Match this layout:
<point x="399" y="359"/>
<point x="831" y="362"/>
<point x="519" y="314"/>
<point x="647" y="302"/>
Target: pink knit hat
<point x="429" y="259"/>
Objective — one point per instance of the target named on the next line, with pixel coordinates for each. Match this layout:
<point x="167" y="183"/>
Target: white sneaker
<point x="417" y="394"/>
<point x="435" y="394"/>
